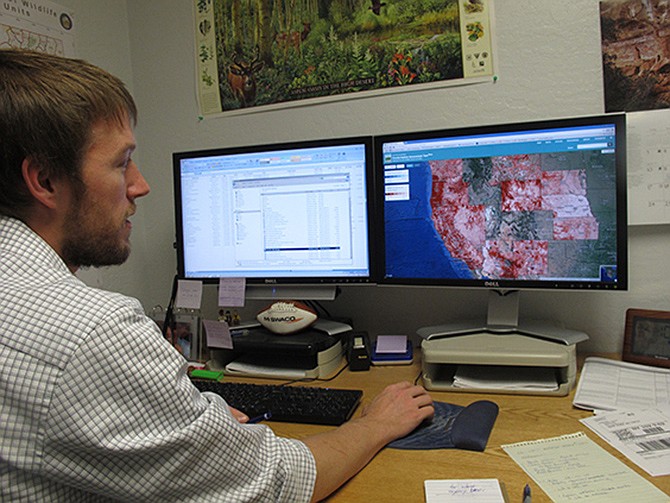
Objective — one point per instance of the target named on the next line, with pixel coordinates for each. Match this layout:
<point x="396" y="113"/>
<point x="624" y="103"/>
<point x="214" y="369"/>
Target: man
<point x="95" y="404"/>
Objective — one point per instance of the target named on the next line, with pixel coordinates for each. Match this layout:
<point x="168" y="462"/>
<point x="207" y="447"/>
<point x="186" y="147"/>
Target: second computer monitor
<point x="530" y="205"/>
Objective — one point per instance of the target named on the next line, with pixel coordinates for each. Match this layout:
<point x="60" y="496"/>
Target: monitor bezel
<point x="618" y="119"/>
<point x="297" y="279"/>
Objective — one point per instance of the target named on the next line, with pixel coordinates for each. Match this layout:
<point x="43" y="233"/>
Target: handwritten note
<point x="231" y="291"/>
<point x="217" y="334"/>
<point x="189" y="294"/>
<point x="457" y="490"/>
<point x="574" y="468"/>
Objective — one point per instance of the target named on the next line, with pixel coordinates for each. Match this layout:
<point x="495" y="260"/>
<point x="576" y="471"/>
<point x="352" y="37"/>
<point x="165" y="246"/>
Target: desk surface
<point x="397" y="475"/>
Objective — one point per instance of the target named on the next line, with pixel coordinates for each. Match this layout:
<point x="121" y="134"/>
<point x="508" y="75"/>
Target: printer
<point x="315" y="352"/>
<point x="526" y="359"/>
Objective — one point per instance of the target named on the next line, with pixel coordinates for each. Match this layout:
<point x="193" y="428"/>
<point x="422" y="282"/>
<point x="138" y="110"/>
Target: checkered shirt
<point x="95" y="405"/>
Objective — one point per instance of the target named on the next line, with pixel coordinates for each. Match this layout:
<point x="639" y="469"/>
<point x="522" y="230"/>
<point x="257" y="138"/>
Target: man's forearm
<point x="343" y="452"/>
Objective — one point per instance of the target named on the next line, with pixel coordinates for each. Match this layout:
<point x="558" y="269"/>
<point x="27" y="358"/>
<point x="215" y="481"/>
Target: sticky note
<point x="391" y="344"/>
<point x="189" y="294"/>
<point x="231" y="292"/>
<point x="217" y="334"/>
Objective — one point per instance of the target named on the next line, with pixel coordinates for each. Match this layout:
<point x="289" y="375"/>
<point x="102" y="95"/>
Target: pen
<point x="526" y="494"/>
<point x="260" y="418"/>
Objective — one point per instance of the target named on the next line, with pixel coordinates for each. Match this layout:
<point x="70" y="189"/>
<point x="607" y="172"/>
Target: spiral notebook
<point x="574" y="468"/>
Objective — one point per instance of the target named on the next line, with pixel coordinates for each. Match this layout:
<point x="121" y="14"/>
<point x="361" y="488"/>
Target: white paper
<point x="615" y="385"/>
<point x="243" y="368"/>
<point x="457" y="490"/>
<point x="231" y="292"/>
<point x="648" y="167"/>
<point x="217" y="334"/>
<point x="189" y="294"/>
<point x="642" y="436"/>
<point x="391" y="344"/>
<point x="504" y="377"/>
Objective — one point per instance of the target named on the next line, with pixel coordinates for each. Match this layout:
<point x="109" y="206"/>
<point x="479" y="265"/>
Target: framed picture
<point x="186" y="334"/>
<point x="647" y="337"/>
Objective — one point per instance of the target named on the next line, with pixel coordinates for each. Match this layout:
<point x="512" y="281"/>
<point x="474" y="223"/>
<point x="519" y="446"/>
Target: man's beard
<point x="90" y="239"/>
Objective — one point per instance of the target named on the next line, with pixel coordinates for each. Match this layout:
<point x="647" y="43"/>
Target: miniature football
<point x="286" y="317"/>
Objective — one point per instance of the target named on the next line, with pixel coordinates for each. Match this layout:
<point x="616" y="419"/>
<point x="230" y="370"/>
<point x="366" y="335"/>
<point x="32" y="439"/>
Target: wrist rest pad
<point x="453" y="427"/>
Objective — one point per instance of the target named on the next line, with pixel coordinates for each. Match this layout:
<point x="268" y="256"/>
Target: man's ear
<point x="38" y="181"/>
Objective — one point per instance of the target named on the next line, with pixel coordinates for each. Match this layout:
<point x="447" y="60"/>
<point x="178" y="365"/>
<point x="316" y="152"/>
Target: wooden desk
<point x="398" y="475"/>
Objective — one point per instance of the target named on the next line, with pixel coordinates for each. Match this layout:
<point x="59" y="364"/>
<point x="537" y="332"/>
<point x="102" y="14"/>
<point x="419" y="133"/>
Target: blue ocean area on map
<point x="413" y="246"/>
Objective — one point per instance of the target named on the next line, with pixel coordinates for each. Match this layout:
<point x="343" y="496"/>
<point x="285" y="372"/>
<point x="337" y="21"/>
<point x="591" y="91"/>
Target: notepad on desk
<point x="392" y="350"/>
<point x="574" y="468"/>
<point x="463" y="490"/>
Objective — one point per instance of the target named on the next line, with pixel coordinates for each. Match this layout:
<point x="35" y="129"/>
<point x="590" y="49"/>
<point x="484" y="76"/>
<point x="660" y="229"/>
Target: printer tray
<point x="489" y="360"/>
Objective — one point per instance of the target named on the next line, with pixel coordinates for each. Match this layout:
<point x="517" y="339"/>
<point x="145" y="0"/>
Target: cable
<point x="320" y="307"/>
<point x="169" y="312"/>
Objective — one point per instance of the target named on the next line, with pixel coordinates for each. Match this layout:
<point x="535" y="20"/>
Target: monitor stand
<point x="505" y="355"/>
<point x="503" y="318"/>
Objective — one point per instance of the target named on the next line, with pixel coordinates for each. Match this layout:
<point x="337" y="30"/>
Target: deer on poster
<point x="293" y="39"/>
<point x="242" y="78"/>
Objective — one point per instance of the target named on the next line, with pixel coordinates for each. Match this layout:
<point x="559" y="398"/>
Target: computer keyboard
<point x="295" y="404"/>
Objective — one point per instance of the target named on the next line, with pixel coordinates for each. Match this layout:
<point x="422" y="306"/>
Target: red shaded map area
<point x="491" y="237"/>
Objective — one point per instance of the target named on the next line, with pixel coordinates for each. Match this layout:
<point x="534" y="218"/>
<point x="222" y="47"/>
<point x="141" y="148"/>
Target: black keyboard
<point x="295" y="404"/>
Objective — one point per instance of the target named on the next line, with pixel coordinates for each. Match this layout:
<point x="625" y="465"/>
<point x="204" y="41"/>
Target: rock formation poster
<point x="636" y="54"/>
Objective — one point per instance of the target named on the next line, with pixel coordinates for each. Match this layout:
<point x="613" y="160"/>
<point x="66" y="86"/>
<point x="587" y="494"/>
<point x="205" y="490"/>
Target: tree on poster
<point x="260" y="52"/>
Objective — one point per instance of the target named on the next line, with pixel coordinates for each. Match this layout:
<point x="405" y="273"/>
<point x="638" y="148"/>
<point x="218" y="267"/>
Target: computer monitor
<point x="506" y="207"/>
<point x="280" y="215"/>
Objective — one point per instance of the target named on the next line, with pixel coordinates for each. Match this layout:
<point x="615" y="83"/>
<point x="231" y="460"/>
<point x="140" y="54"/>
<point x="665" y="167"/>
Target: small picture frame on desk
<point x="647" y="337"/>
<point x="187" y="335"/>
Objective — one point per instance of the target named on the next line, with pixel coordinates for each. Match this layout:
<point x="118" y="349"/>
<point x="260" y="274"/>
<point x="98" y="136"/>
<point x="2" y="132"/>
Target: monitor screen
<point x="531" y="205"/>
<point x="282" y="213"/>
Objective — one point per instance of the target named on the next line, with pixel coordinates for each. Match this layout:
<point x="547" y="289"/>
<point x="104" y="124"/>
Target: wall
<point x="101" y="30"/>
<point x="548" y="64"/>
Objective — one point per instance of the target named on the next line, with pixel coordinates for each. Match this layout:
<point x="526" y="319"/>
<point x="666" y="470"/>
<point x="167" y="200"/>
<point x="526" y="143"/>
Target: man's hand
<point x="400" y="408"/>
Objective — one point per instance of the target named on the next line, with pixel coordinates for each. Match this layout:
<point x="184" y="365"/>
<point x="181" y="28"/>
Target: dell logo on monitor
<point x="494" y="284"/>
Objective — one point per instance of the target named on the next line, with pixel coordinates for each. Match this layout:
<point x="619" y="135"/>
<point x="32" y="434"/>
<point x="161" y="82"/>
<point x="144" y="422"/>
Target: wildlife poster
<point x="37" y="25"/>
<point x="255" y="54"/>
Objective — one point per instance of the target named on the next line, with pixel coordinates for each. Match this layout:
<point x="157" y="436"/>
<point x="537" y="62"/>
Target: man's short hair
<point x="48" y="105"/>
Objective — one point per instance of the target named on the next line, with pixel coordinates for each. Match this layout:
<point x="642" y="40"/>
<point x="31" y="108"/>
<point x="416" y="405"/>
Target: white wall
<point x="548" y="64"/>
<point x="101" y="31"/>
